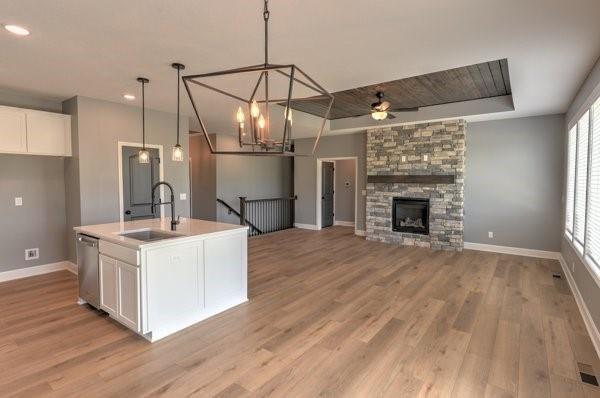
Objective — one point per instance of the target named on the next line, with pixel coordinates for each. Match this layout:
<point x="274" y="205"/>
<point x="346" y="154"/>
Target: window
<point x="583" y="128"/>
<point x="571" y="180"/>
<point x="582" y="212"/>
<point x="593" y="216"/>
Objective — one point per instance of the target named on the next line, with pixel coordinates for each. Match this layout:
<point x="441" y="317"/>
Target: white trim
<point x="583" y="309"/>
<point x="319" y="178"/>
<point x="306" y="226"/>
<point x="37" y="270"/>
<point x="512" y="250"/>
<point x="72" y="268"/>
<point x="161" y="173"/>
<point x="344" y="223"/>
<point x="360" y="232"/>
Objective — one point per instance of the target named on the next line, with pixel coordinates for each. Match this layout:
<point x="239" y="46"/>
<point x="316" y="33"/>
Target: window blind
<point x="570" y="199"/>
<point x="581" y="177"/>
<point x="593" y="218"/>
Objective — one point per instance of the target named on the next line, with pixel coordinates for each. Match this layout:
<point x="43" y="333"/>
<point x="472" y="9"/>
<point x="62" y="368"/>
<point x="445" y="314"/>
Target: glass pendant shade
<point x="379" y="115"/>
<point x="177" y="155"/>
<point x="143" y="156"/>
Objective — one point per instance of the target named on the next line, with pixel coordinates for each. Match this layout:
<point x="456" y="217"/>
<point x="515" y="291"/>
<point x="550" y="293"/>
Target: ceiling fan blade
<point x="390" y="116"/>
<point x="415" y="109"/>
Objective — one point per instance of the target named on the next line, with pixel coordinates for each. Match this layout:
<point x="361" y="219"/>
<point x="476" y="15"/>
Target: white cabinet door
<point x="224" y="270"/>
<point x="48" y="133"/>
<point x="108" y="285"/>
<point x="174" y="286"/>
<point x="13" y="130"/>
<point x="128" y="277"/>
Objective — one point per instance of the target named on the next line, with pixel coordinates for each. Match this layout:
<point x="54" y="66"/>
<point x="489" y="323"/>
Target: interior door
<point x="327" y="194"/>
<point x="138" y="180"/>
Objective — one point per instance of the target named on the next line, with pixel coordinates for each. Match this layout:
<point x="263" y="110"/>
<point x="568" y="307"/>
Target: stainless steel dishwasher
<point x="87" y="269"/>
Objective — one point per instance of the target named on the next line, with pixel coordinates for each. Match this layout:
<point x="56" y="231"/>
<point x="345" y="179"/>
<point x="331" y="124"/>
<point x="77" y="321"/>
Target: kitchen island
<point x="156" y="281"/>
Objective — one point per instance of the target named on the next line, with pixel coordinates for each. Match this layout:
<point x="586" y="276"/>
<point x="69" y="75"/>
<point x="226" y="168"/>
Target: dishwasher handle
<point x="87" y="241"/>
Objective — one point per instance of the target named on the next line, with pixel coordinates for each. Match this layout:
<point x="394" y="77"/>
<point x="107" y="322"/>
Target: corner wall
<point x="586" y="280"/>
<point x="513" y="182"/>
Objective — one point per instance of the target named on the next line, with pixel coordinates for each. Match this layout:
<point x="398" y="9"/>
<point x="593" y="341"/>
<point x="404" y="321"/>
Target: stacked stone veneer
<point x="444" y="144"/>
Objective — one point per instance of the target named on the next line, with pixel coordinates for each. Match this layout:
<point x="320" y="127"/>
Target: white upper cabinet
<point x="13" y="130"/>
<point x="34" y="132"/>
<point x="48" y="133"/>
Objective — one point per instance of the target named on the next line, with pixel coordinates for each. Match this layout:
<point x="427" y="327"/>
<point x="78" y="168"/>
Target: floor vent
<point x="557" y="276"/>
<point x="588" y="378"/>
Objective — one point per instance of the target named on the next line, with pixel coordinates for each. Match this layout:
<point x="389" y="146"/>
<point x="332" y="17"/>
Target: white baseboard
<point x="305" y="226"/>
<point x="344" y="223"/>
<point x="583" y="309"/>
<point x="512" y="250"/>
<point x="37" y="270"/>
<point x="360" y="232"/>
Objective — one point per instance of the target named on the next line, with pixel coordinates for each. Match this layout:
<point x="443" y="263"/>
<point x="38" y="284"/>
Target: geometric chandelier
<point x="259" y="102"/>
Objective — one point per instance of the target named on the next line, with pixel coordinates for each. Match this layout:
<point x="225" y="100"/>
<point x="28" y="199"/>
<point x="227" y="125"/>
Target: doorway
<point x="327" y="194"/>
<point x="136" y="181"/>
<point x="336" y="192"/>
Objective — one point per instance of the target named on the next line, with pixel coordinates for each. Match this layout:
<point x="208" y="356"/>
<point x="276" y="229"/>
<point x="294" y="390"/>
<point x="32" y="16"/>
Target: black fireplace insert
<point x="410" y="215"/>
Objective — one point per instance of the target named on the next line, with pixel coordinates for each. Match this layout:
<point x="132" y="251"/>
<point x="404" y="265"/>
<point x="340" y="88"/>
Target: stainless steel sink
<point x="149" y="235"/>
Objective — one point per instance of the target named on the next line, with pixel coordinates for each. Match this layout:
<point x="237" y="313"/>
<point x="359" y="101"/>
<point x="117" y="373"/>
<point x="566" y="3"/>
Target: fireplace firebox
<point x="410" y="215"/>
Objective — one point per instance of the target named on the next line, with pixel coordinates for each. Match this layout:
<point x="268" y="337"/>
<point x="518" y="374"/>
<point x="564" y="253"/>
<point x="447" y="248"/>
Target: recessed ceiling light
<point x="17" y="30"/>
<point x="129" y="97"/>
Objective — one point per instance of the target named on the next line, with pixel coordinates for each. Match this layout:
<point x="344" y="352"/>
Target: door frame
<point x="319" y="188"/>
<point x="161" y="174"/>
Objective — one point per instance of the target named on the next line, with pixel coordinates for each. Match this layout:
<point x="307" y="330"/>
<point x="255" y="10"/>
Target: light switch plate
<point x="364" y="192"/>
<point x="19" y="201"/>
<point x="183" y="196"/>
<point x="490" y="235"/>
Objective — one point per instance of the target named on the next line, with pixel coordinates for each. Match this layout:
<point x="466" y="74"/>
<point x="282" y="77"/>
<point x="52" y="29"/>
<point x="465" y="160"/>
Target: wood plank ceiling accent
<point x="484" y="80"/>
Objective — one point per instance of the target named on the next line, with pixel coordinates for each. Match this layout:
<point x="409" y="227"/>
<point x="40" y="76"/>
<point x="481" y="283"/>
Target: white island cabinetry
<point x="161" y="287"/>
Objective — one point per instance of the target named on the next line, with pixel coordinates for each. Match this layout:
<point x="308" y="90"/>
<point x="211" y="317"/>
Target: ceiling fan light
<point x="379" y="115"/>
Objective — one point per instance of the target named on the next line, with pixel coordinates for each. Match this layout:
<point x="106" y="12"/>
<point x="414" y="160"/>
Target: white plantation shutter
<point x="570" y="199"/>
<point x="593" y="218"/>
<point x="581" y="177"/>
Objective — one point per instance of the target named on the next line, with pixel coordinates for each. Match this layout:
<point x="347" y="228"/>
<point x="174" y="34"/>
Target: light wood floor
<point x="329" y="314"/>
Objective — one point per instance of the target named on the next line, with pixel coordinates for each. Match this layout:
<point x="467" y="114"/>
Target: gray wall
<point x="203" y="179"/>
<point x="305" y="172"/>
<point x="39" y="180"/>
<point x="587" y="284"/>
<point x="513" y="182"/>
<point x="100" y="125"/>
<point x="345" y="193"/>
<point x="255" y="177"/>
<point x="40" y="222"/>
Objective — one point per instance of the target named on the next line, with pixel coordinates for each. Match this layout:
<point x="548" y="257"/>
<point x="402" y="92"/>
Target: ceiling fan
<point x="380" y="109"/>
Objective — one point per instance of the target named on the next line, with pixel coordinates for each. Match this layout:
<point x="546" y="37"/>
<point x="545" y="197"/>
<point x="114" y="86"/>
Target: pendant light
<point x="260" y="90"/>
<point x="177" y="155"/>
<point x="143" y="154"/>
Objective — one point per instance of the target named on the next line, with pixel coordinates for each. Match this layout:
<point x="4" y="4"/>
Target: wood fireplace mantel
<point x="412" y="179"/>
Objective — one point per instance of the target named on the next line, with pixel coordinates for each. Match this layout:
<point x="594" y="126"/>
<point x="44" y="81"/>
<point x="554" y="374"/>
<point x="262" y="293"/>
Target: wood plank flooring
<point x="330" y="314"/>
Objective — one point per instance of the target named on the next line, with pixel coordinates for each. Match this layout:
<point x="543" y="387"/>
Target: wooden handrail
<point x="237" y="213"/>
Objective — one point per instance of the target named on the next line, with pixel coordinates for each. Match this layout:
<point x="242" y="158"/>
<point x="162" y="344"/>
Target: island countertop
<point x="187" y="228"/>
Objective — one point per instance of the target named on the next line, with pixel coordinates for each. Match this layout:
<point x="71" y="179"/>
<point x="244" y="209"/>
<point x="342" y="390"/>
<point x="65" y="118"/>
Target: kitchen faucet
<point x="174" y="221"/>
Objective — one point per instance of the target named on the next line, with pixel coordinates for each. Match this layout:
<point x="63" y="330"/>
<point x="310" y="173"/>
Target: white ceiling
<point x="98" y="48"/>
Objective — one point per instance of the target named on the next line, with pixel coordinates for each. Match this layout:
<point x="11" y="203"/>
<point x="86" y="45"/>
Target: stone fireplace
<point x="415" y="184"/>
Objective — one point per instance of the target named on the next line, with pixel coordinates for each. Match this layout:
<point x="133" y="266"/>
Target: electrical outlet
<point x="32" y="254"/>
<point x="403" y="158"/>
<point x="490" y="235"/>
<point x="425" y="158"/>
<point x="18" y="201"/>
<point x="183" y="196"/>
